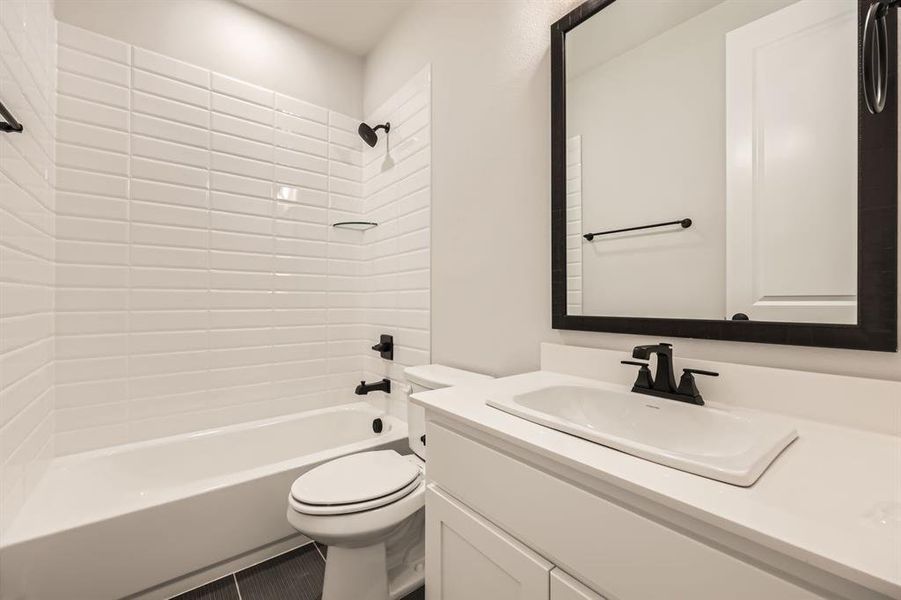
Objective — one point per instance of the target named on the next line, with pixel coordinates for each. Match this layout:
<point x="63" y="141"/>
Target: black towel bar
<point x="685" y="223"/>
<point x="10" y="125"/>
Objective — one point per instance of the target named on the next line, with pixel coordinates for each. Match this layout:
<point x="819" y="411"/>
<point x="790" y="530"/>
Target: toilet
<point x="369" y="508"/>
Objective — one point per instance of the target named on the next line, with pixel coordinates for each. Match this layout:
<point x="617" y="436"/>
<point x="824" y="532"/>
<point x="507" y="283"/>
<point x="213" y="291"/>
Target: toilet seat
<point x="355" y="483"/>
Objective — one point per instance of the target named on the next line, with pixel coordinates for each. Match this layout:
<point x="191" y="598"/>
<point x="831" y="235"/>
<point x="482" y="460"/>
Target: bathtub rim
<point x="19" y="533"/>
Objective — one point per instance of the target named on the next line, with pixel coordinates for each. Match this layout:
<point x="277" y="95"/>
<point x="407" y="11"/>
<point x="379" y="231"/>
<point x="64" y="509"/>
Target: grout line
<point x="318" y="551"/>
<point x="237" y="587"/>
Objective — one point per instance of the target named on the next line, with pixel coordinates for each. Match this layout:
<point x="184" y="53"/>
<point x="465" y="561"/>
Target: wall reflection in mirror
<point x="739" y="116"/>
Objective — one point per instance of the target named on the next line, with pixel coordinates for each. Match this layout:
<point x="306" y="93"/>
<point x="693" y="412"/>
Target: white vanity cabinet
<point x="564" y="587"/>
<point x="500" y="528"/>
<point x="469" y="558"/>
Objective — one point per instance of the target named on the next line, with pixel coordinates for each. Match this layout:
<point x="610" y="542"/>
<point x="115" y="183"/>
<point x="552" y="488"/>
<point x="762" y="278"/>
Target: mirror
<point x="713" y="171"/>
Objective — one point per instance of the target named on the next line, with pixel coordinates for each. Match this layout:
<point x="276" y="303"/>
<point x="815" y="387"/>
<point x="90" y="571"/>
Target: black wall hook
<point x="10" y="125"/>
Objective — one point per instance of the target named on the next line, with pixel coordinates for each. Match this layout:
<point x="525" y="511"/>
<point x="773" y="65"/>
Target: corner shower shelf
<point x="355" y="225"/>
<point x="9" y="123"/>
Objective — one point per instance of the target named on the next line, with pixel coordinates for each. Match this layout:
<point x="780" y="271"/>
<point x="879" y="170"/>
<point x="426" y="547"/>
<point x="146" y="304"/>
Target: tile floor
<point x="295" y="575"/>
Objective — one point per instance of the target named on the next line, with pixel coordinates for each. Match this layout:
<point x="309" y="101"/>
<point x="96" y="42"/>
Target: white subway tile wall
<point x="199" y="281"/>
<point x="574" y="239"/>
<point x="27" y="81"/>
<point x="396" y="181"/>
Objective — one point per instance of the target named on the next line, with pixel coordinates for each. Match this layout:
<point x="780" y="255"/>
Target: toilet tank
<point x="431" y="377"/>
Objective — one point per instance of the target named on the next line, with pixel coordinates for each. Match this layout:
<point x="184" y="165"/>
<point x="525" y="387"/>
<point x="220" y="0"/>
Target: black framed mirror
<point x="719" y="170"/>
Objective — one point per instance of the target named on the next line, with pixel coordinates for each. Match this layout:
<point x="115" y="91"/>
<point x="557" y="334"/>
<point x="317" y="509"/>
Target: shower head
<point x="369" y="133"/>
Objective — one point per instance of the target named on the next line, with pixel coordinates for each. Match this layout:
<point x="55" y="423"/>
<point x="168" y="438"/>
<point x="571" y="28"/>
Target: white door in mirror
<point x="791" y="236"/>
<point x="728" y="445"/>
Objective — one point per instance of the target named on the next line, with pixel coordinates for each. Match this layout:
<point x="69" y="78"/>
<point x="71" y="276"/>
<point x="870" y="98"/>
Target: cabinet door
<point x="564" y="587"/>
<point x="467" y="557"/>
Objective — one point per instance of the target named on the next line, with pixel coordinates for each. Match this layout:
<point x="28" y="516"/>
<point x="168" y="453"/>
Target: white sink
<point x="732" y="446"/>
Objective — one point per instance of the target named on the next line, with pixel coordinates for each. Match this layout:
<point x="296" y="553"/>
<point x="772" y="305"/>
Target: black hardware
<point x="369" y="133"/>
<point x="877" y="217"/>
<point x="874" y="50"/>
<point x="688" y="387"/>
<point x="385" y="347"/>
<point x="664" y="380"/>
<point x="644" y="379"/>
<point x="381" y="386"/>
<point x="685" y="223"/>
<point x="740" y="317"/>
<point x="355" y="225"/>
<point x="663" y="384"/>
<point x="377" y="425"/>
<point x="10" y="125"/>
<point x="422" y="439"/>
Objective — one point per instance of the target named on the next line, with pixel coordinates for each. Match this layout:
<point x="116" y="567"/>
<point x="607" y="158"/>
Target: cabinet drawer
<point x="617" y="552"/>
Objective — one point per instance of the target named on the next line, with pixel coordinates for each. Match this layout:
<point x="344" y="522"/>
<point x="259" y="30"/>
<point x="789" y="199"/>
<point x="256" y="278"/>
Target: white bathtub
<point x="119" y="521"/>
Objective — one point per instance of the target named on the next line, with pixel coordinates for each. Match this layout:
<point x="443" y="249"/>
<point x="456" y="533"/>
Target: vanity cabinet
<point x="564" y="587"/>
<point x="497" y="527"/>
<point x="468" y="557"/>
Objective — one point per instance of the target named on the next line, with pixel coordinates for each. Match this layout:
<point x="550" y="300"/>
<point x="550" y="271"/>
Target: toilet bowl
<point x="369" y="508"/>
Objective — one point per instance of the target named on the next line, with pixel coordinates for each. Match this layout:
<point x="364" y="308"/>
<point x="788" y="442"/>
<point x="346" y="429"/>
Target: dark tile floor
<point x="295" y="575"/>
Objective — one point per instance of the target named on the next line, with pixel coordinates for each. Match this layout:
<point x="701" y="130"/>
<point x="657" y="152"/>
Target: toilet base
<point x="387" y="570"/>
<point x="356" y="574"/>
<point x="361" y="574"/>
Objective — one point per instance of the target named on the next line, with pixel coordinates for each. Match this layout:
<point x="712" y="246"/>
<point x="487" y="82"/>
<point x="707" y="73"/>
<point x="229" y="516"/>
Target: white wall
<point x="223" y="36"/>
<point x="491" y="159"/>
<point x="491" y="198"/>
<point x="397" y="196"/>
<point x="197" y="268"/>
<point x="27" y="80"/>
<point x="199" y="279"/>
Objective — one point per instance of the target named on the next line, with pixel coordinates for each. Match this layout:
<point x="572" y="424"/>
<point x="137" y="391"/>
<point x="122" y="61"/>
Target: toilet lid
<point x="355" y="478"/>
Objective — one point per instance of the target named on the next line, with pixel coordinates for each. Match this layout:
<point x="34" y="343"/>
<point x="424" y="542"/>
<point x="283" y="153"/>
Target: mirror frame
<point x="877" y="229"/>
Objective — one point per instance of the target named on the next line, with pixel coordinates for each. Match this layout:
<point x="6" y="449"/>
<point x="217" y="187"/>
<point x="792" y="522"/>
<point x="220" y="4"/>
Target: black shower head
<point x="368" y="133"/>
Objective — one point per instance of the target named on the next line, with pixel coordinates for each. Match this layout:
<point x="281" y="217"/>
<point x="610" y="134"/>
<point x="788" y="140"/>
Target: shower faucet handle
<point x="385" y="347"/>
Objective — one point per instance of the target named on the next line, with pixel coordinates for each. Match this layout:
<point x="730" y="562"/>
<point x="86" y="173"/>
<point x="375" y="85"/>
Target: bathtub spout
<point x="382" y="386"/>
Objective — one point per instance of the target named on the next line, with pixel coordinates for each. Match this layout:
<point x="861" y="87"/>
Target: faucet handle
<point x="701" y="372"/>
<point x="688" y="387"/>
<point x="644" y="380"/>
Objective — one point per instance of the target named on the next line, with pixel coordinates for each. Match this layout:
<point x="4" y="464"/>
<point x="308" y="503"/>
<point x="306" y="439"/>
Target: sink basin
<point x="731" y="446"/>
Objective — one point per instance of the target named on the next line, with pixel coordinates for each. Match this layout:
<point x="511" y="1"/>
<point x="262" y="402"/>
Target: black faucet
<point x="380" y="386"/>
<point x="663" y="383"/>
<point x="664" y="380"/>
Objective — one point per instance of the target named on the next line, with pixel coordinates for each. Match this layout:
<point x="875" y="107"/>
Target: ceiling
<point x="352" y="25"/>
<point x="624" y="26"/>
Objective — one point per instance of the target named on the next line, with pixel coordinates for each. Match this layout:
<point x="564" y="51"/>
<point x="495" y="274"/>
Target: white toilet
<point x="368" y="508"/>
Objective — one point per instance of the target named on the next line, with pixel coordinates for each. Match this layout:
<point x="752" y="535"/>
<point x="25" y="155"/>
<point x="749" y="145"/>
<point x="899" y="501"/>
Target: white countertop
<point x="832" y="499"/>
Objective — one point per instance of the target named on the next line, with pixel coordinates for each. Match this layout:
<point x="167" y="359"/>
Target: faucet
<point x="664" y="380"/>
<point x="380" y="386"/>
<point x="663" y="383"/>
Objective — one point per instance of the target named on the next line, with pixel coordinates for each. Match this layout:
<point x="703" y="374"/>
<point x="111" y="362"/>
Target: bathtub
<point x="135" y="518"/>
